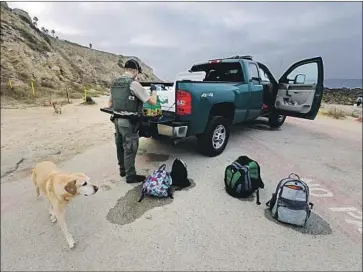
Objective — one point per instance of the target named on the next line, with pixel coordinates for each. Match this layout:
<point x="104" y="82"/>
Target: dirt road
<point x="32" y="134"/>
<point x="202" y="228"/>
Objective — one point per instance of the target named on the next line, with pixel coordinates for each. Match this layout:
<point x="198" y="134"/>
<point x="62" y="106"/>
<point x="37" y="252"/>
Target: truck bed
<point x="167" y="94"/>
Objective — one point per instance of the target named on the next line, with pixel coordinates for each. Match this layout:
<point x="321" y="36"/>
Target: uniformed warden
<point x="127" y="98"/>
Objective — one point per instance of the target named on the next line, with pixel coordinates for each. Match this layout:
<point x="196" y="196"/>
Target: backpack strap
<point x="262" y="185"/>
<point x="162" y="167"/>
<point x="170" y="193"/>
<point x="142" y="196"/>
<point x="293" y="174"/>
<point x="225" y="174"/>
<point x="237" y="165"/>
<point x="258" y="197"/>
<point x="272" y="201"/>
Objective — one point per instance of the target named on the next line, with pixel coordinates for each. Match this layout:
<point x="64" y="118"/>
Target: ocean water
<point x="343" y="83"/>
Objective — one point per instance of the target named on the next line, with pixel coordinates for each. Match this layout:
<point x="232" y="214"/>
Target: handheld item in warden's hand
<point x="149" y="110"/>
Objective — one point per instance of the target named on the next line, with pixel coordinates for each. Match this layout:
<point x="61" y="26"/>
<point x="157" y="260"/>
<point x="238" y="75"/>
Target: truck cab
<point x="236" y="90"/>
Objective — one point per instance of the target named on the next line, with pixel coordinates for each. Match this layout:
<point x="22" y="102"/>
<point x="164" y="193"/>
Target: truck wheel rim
<point x="280" y="118"/>
<point x="219" y="136"/>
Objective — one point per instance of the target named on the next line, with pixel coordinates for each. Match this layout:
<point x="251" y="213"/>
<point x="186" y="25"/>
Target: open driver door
<point x="301" y="89"/>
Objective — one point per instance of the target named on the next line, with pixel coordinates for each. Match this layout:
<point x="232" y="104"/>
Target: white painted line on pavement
<point x="320" y="192"/>
<point x="353" y="212"/>
<point x="316" y="189"/>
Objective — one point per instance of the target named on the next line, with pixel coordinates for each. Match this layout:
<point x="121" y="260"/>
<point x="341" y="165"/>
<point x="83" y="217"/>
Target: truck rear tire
<point x="215" y="138"/>
<point x="276" y="120"/>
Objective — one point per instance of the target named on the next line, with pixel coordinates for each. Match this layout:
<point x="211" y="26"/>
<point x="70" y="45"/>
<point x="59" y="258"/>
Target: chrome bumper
<point x="177" y="132"/>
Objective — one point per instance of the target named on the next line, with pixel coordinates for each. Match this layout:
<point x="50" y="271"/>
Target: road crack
<point x="13" y="169"/>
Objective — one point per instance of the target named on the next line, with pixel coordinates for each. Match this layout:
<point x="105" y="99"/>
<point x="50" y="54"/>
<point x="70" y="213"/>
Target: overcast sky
<point x="170" y="37"/>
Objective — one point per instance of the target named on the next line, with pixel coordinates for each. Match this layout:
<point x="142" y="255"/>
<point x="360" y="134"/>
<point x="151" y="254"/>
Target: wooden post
<point x="85" y="94"/>
<point x="67" y="95"/>
<point x="32" y="85"/>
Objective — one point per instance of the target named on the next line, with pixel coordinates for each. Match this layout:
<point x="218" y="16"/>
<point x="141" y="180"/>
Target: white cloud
<point x="33" y="8"/>
<point x="171" y="36"/>
<point x="148" y="40"/>
<point x="41" y="11"/>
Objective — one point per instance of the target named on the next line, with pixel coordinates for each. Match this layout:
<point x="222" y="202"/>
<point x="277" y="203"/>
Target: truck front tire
<point x="215" y="138"/>
<point x="276" y="120"/>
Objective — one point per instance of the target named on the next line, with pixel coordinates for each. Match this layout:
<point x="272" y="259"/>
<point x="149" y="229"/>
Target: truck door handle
<point x="287" y="90"/>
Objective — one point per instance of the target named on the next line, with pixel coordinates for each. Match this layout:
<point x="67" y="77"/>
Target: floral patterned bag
<point x="158" y="184"/>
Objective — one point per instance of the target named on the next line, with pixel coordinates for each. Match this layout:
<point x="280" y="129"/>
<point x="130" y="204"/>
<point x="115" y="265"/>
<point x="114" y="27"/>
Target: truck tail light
<point x="183" y="102"/>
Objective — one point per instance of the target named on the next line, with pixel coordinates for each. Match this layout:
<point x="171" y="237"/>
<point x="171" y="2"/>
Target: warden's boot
<point x="135" y="179"/>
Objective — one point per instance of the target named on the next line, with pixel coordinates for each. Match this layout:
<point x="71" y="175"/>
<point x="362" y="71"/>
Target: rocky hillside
<point x="54" y="65"/>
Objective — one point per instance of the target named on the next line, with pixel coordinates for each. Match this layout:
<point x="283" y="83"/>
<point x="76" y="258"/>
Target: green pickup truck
<point x="236" y="90"/>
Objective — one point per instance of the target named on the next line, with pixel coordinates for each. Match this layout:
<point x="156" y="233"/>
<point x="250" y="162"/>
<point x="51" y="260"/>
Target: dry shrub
<point x="355" y="113"/>
<point x="334" y="112"/>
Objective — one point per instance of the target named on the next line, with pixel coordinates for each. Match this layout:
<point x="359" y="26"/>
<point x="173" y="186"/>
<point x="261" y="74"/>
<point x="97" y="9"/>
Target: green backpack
<point x="242" y="178"/>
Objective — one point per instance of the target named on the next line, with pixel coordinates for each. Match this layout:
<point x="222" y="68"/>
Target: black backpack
<point x="242" y="178"/>
<point x="179" y="174"/>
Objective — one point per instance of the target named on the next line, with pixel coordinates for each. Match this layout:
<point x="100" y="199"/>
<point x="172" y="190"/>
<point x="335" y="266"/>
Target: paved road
<point x="202" y="228"/>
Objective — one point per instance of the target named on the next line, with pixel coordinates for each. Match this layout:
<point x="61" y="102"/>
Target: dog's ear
<point x="71" y="187"/>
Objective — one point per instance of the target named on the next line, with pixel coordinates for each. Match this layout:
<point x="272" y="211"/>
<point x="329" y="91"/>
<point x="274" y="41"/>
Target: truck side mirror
<point x="299" y="79"/>
<point x="255" y="79"/>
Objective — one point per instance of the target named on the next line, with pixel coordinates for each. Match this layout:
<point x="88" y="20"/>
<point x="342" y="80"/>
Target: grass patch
<point x="356" y="113"/>
<point x="334" y="113"/>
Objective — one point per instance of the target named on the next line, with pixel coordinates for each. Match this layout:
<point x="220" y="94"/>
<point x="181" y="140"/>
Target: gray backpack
<point x="290" y="202"/>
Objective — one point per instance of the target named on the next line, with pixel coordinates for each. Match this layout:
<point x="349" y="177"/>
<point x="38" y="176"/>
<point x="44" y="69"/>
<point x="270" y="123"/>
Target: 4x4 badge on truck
<point x="207" y="95"/>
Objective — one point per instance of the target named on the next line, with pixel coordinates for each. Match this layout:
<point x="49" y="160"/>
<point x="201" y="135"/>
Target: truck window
<point x="253" y="71"/>
<point x="221" y="72"/>
<point x="263" y="76"/>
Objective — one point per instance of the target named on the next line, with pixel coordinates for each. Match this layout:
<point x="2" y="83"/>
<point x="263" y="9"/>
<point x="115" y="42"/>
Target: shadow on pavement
<point x="259" y="124"/>
<point x="128" y="209"/>
<point x="315" y="225"/>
